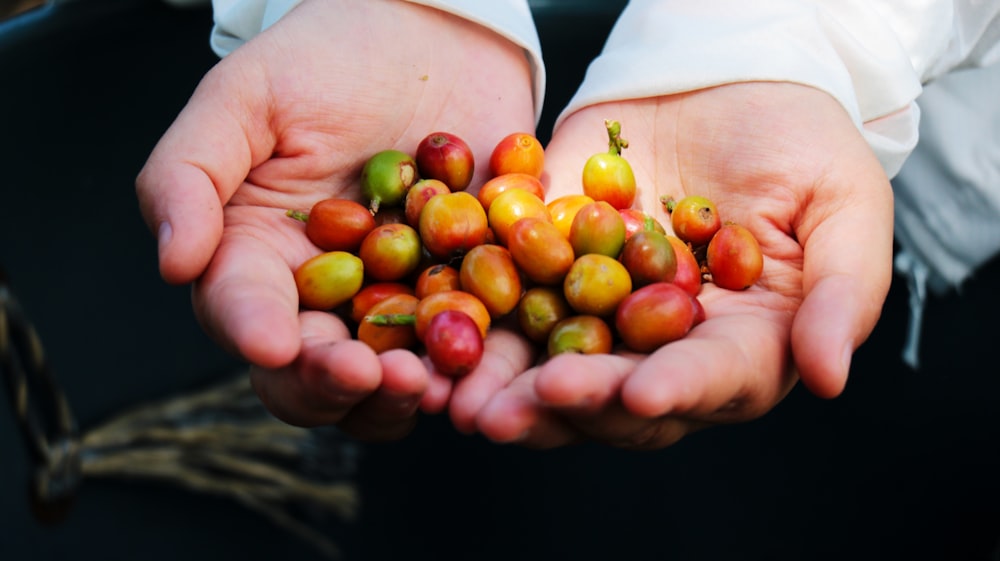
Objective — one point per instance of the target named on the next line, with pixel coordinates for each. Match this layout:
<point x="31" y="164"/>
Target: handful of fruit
<point x="422" y="262"/>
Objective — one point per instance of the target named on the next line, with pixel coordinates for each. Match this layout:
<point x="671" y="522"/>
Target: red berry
<point x="447" y="158"/>
<point x="694" y="219"/>
<point x="336" y="224"/>
<point x="649" y="258"/>
<point x="597" y="228"/>
<point x="688" y="273"/>
<point x="734" y="258"/>
<point x="453" y="343"/>
<point x="519" y="152"/>
<point x="653" y="316"/>
<point x="417" y="197"/>
<point x="452" y="224"/>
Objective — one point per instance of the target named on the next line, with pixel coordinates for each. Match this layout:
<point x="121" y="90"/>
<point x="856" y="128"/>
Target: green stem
<point x="615" y="141"/>
<point x="668" y="203"/>
<point x="390" y="320"/>
<point x="649" y="223"/>
<point x="298" y="215"/>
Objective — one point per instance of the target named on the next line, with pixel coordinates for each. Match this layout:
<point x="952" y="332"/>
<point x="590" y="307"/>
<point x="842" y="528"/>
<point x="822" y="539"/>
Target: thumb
<point x="192" y="172"/>
<point x="847" y="271"/>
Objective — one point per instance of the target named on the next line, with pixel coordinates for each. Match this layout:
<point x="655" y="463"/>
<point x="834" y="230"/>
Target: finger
<point x="505" y="355"/>
<point x="438" y="393"/>
<point x="514" y="415"/>
<point x="390" y="412"/>
<point x="332" y="375"/>
<point x="248" y="302"/>
<point x="732" y="367"/>
<point x="193" y="171"/>
<point x="586" y="391"/>
<point x="846" y="276"/>
<point x="582" y="383"/>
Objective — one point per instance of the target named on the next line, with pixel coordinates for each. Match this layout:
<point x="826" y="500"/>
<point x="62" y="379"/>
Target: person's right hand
<point x="289" y="119"/>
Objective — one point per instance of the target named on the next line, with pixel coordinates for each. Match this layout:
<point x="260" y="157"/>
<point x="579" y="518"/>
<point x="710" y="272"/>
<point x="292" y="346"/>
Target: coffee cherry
<point x="488" y="272"/>
<point x="580" y="334"/>
<point x="638" y="221"/>
<point x="649" y="258"/>
<point x="699" y="312"/>
<point x="539" y="310"/>
<point x="694" y="219"/>
<point x="734" y="258"/>
<point x="607" y="176"/>
<point x="417" y="197"/>
<point x="446" y="157"/>
<point x="453" y="343"/>
<point x="382" y="338"/>
<point x="653" y="316"/>
<point x="432" y="305"/>
<point x="501" y="183"/>
<point x="596" y="284"/>
<point x="511" y="206"/>
<point x="597" y="228"/>
<point x="374" y="293"/>
<point x="688" y="274"/>
<point x="452" y="224"/>
<point x="437" y="278"/>
<point x="390" y="252"/>
<point x="540" y="251"/>
<point x="386" y="177"/>
<point x="336" y="224"/>
<point x="564" y="209"/>
<point x="328" y="280"/>
<point x="518" y="153"/>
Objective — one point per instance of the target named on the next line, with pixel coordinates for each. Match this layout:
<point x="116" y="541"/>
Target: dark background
<point x="902" y="466"/>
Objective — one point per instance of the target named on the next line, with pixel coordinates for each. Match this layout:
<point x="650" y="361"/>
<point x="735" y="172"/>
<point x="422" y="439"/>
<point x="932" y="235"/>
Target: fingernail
<point x="846" y="360"/>
<point x="164" y="234"/>
<point x="408" y="404"/>
<point x="522" y="436"/>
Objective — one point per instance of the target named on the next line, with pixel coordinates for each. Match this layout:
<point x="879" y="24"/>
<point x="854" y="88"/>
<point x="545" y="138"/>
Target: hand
<point x="783" y="160"/>
<point x="289" y="119"/>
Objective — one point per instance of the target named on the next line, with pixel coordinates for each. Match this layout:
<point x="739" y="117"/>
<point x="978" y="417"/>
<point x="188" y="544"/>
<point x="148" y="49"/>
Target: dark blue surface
<point x="903" y="466"/>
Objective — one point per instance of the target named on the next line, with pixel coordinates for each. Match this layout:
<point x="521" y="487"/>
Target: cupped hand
<point x="785" y="161"/>
<point x="288" y="119"/>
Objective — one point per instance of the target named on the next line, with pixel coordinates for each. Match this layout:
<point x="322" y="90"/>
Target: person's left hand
<point x="785" y="161"/>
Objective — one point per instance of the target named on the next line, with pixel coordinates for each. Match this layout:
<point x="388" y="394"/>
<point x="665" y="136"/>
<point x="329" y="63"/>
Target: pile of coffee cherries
<point x="423" y="263"/>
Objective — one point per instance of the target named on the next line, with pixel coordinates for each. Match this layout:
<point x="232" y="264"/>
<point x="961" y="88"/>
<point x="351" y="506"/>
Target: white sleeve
<point x="236" y="21"/>
<point x="871" y="55"/>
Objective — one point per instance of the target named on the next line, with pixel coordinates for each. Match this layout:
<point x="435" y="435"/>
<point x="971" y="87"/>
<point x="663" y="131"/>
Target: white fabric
<point x="237" y="21"/>
<point x="871" y="55"/>
<point x="948" y="193"/>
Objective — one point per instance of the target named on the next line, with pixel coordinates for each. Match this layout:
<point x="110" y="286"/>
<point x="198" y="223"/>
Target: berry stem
<point x="615" y="141"/>
<point x="668" y="203"/>
<point x="391" y="320"/>
<point x="298" y="215"/>
<point x="648" y="224"/>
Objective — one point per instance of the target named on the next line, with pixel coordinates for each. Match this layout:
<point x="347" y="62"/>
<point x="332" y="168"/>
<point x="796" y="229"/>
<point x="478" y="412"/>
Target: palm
<point x="782" y="160"/>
